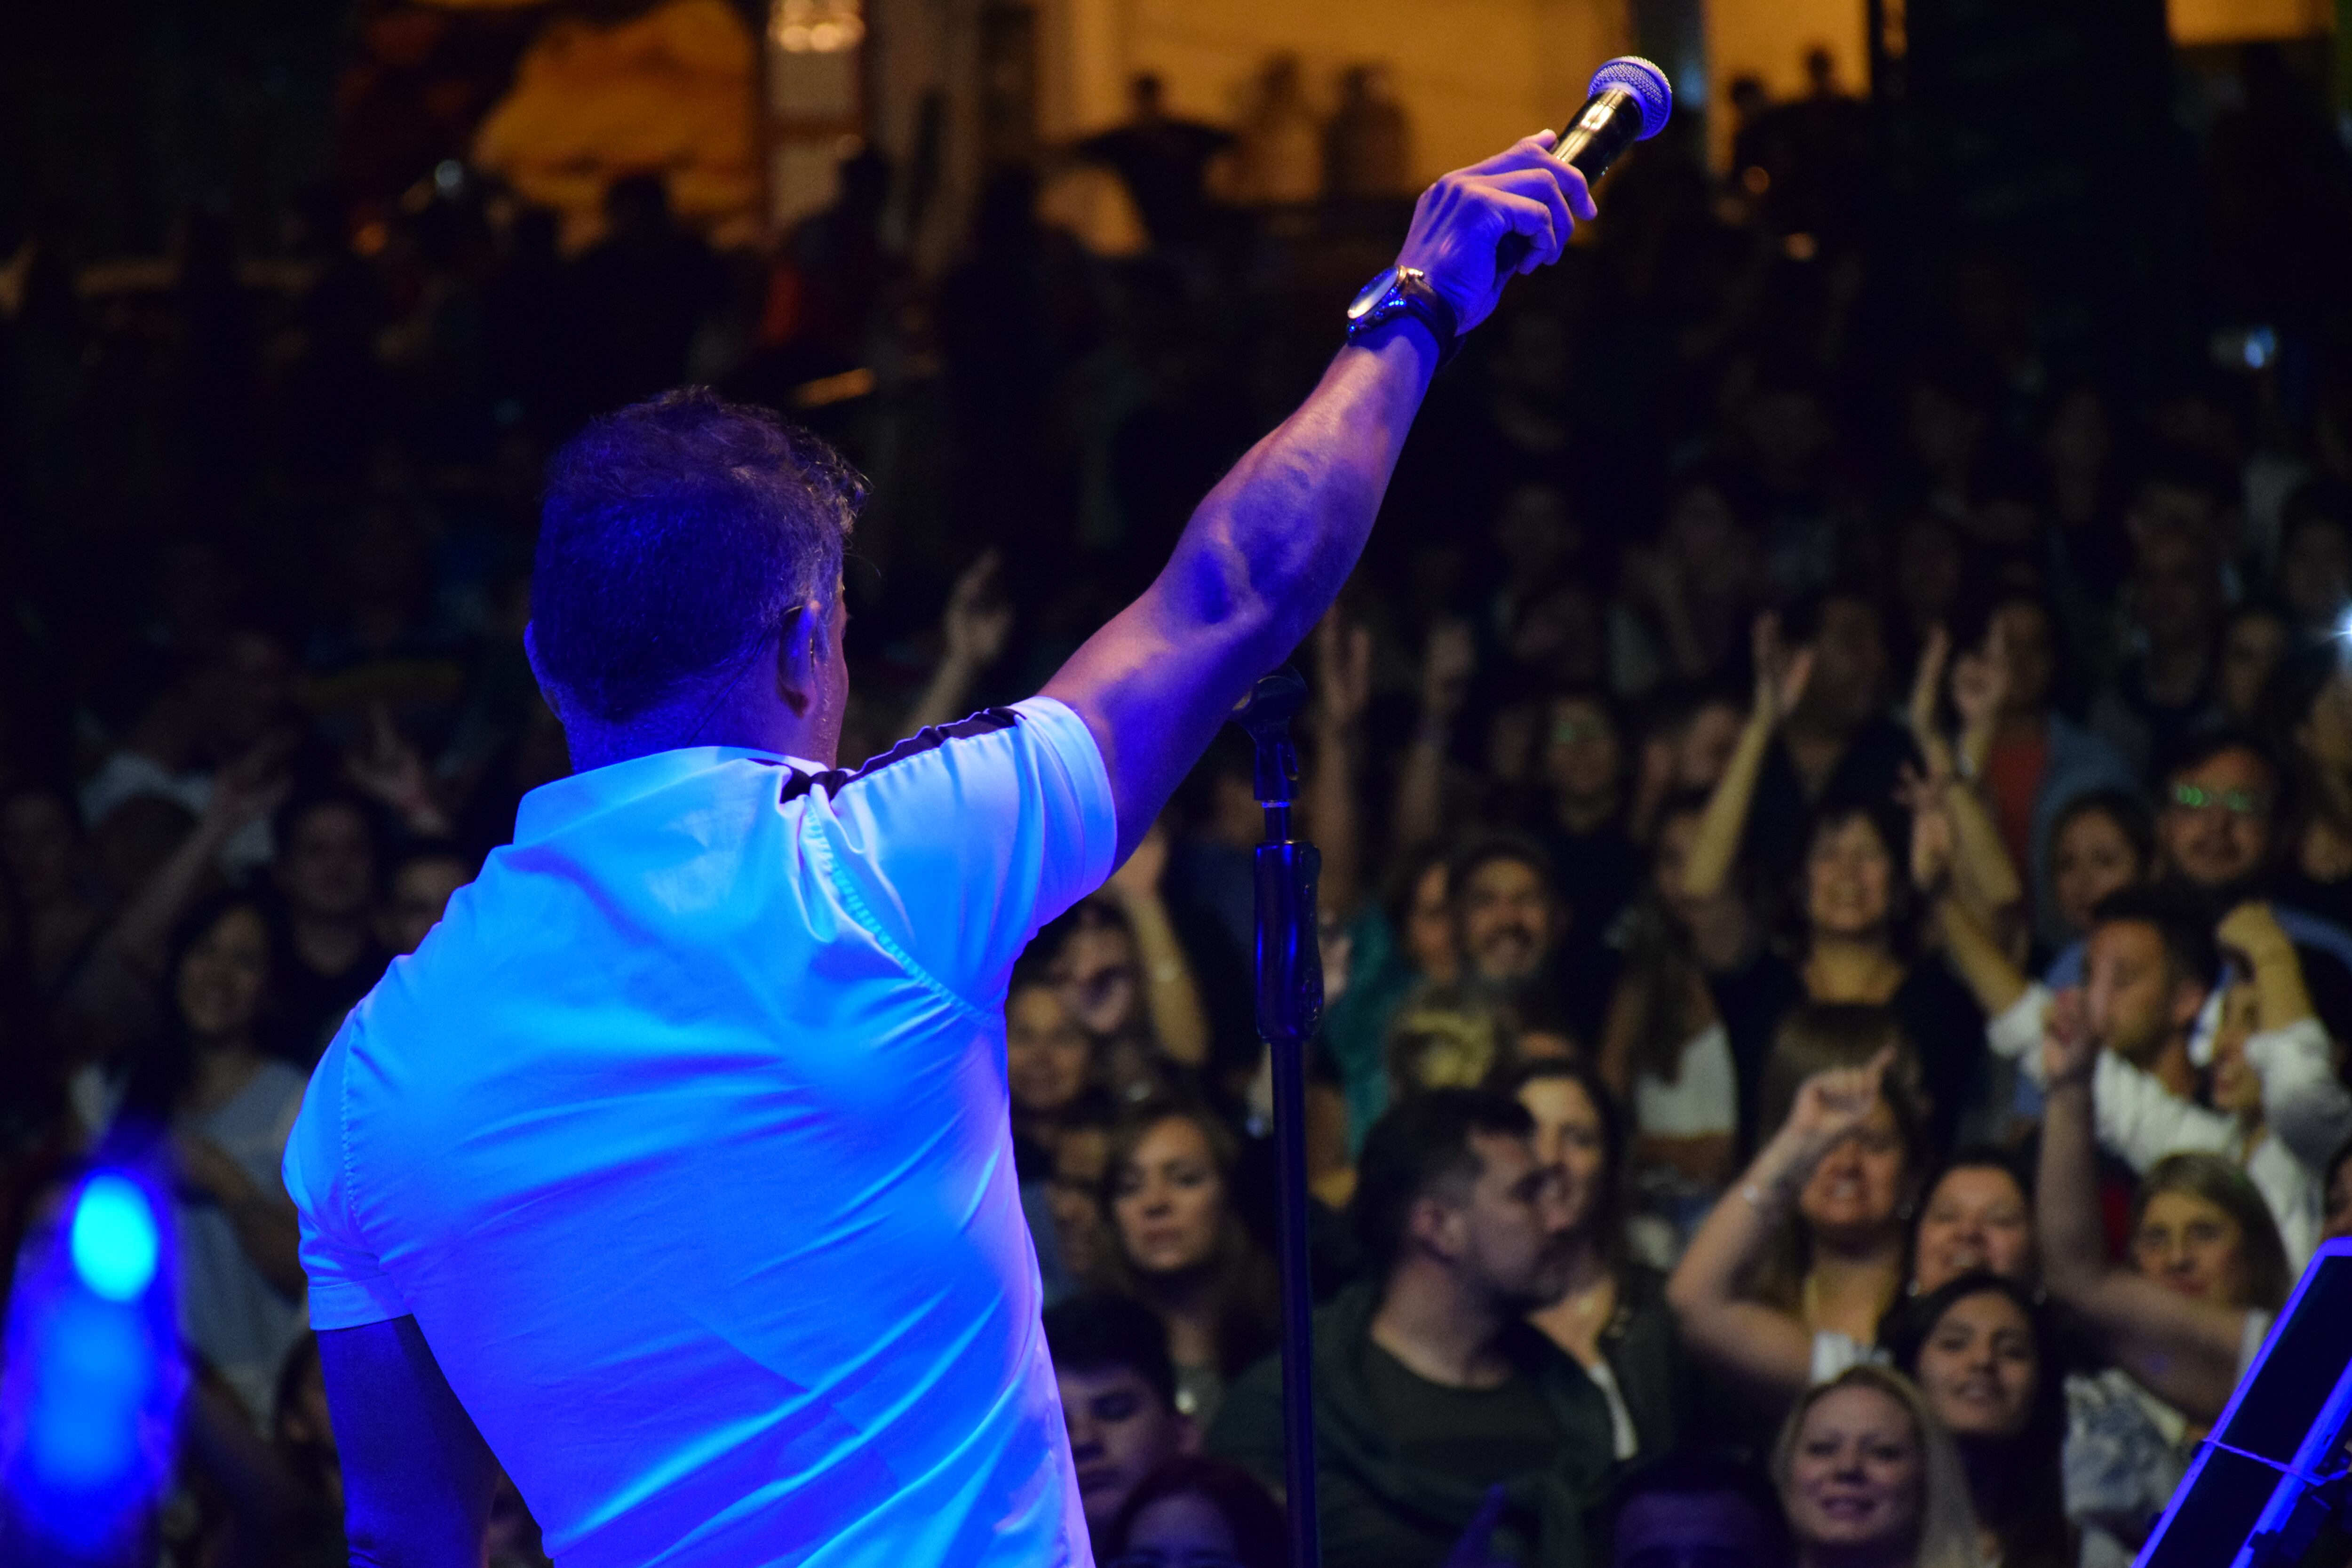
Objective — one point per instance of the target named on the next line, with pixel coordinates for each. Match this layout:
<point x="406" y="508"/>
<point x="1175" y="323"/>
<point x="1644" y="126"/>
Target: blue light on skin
<point x="114" y="1238"/>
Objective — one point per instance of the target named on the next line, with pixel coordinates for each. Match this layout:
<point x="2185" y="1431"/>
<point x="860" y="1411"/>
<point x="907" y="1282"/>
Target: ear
<point x="801" y="655"/>
<point x="2187" y="1001"/>
<point x="1436" y="1228"/>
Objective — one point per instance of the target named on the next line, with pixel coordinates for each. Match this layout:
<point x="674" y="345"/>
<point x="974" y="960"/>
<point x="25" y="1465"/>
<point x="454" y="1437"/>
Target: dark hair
<point x="1604" y="1222"/>
<point x="2127" y="810"/>
<point x="2029" y="1518"/>
<point x="1489" y="847"/>
<point x="1986" y="1157"/>
<point x="1706" y="1472"/>
<point x="1894" y="837"/>
<point x="1104" y="1332"/>
<point x="1261" y="1539"/>
<point x="2202" y="744"/>
<point x="2187" y="932"/>
<point x="675" y="536"/>
<point x="162" y="1073"/>
<point x="1417" y="1146"/>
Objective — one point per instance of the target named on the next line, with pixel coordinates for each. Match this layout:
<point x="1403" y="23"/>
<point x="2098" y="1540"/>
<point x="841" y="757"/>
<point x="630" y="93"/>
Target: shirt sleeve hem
<point x="1059" y="726"/>
<point x="345" y="1304"/>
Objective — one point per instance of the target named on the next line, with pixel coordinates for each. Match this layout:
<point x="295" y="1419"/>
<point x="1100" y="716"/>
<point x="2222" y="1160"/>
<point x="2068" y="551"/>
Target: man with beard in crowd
<point x="1430" y="1387"/>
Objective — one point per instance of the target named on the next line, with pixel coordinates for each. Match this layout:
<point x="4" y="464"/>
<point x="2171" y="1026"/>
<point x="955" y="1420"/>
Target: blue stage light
<point x="114" y="1238"/>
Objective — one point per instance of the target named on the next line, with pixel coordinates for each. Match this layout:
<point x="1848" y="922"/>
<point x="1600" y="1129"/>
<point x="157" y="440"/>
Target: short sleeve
<point x="348" y="1289"/>
<point x="965" y="840"/>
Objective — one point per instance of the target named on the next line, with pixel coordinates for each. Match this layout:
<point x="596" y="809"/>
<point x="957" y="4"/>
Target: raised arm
<point x="1419" y="814"/>
<point x="972" y="631"/>
<point x="1343" y="686"/>
<point x="2305" y="1104"/>
<point x="1780" y="679"/>
<point x="1265" y="553"/>
<point x="417" y="1478"/>
<point x="1765" y="1344"/>
<point x="2185" y="1351"/>
<point x="1171" y="995"/>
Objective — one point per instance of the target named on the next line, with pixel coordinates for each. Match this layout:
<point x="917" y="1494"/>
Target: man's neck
<point x="2171" y="1066"/>
<point x="1428" y="1322"/>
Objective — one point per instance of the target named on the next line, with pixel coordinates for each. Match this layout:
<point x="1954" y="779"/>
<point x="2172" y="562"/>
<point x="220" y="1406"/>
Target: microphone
<point x="1629" y="100"/>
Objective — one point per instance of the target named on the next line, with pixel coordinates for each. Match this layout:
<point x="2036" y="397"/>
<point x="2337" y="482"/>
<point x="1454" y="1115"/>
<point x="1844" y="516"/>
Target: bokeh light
<point x="114" y="1238"/>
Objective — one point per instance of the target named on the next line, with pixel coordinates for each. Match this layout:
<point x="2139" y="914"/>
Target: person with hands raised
<point x="1782" y="677"/>
<point x="2182" y="1321"/>
<point x="973" y="630"/>
<point x="1835" y="1165"/>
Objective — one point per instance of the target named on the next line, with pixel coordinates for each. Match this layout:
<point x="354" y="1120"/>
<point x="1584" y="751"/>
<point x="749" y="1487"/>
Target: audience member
<point x="1612" y="1318"/>
<point x="1195" y="1512"/>
<point x="417" y="894"/>
<point x="1430" y="1386"/>
<point x="1118" y="1398"/>
<point x="1696" y="1506"/>
<point x="1183" y="1249"/>
<point x="1831" y="1188"/>
<point x="1981" y="1349"/>
<point x="221" y="1107"/>
<point x="326" y="955"/>
<point x="1869" y="1474"/>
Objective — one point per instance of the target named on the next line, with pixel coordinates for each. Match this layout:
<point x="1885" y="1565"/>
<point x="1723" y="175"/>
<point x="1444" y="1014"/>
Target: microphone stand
<point x="1289" y="1006"/>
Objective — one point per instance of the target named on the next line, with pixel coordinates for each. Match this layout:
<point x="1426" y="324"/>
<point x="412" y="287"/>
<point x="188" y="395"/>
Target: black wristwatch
<point x="1397" y="291"/>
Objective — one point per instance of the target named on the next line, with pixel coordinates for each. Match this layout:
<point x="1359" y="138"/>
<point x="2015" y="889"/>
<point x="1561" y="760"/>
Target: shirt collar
<point x="554" y="806"/>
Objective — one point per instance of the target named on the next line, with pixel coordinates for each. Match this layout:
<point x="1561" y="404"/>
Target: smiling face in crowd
<point x="2215" y="825"/>
<point x="1508" y="918"/>
<point x="2090" y="857"/>
<point x="1849" y="878"/>
<point x="1857" y="1477"/>
<point x="1856" y="1191"/>
<point x="1979" y="1366"/>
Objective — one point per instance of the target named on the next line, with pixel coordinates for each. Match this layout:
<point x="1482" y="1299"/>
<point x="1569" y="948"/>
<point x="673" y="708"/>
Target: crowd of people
<point x="1837" y="851"/>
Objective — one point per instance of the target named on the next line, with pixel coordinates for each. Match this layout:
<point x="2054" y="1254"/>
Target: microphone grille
<point x="1648" y="85"/>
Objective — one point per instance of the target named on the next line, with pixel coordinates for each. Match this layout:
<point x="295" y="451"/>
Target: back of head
<point x="675" y="536"/>
<point x="1418" y="1146"/>
<point x="1102" y="1333"/>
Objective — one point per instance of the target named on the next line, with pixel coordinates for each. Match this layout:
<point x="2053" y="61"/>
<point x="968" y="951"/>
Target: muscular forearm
<point x="1258" y="564"/>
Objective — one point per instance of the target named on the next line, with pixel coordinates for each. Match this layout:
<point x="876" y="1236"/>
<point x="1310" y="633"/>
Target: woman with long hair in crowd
<point x="220" y="1110"/>
<point x="1183" y="1250"/>
<point x="1830" y="1189"/>
<point x="1613" y="1318"/>
<point x="1982" y="1349"/>
<point x="1667" y="1050"/>
<point x="1869" y="1478"/>
<point x="2182" y="1321"/>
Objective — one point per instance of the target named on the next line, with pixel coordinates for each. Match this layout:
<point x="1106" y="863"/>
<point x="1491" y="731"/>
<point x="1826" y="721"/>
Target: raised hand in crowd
<point x="973" y="630"/>
<point x="1447" y="664"/>
<point x="1343" y="690"/>
<point x="247" y="791"/>
<point x="388" y="770"/>
<point x="1768" y="1344"/>
<point x="1781" y="675"/>
<point x="1171" y="997"/>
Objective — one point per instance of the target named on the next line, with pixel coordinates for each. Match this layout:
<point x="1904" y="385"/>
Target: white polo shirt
<point x="684" y="1138"/>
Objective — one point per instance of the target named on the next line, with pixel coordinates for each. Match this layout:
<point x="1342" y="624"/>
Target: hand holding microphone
<point x="1476" y="228"/>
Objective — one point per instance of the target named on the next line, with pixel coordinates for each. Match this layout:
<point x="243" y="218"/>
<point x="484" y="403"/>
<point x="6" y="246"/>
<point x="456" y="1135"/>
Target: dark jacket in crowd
<point x="1380" y="1509"/>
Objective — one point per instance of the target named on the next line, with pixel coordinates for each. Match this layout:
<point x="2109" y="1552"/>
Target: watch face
<point x="1370" y="294"/>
